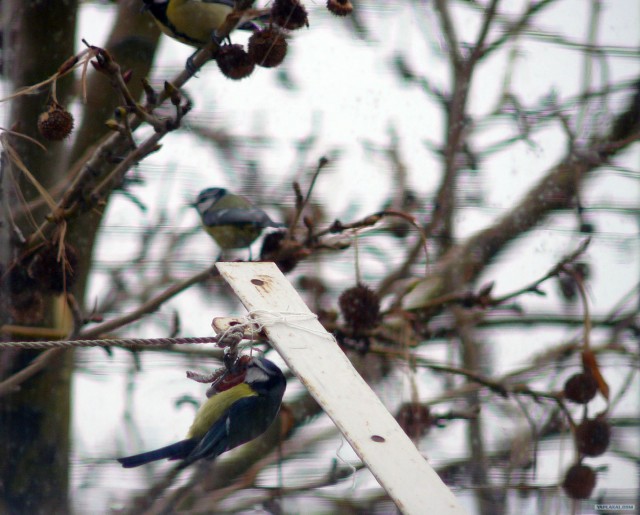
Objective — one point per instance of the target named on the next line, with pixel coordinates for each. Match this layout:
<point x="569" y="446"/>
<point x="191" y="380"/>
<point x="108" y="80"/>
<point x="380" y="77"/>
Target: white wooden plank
<point x="323" y="368"/>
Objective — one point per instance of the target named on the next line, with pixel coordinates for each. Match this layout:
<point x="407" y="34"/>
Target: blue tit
<point x="192" y="22"/>
<point x="231" y="220"/>
<point x="227" y="419"/>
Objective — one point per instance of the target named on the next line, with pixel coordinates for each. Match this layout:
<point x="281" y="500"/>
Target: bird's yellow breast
<point x="234" y="236"/>
<point x="193" y="21"/>
<point x="215" y="406"/>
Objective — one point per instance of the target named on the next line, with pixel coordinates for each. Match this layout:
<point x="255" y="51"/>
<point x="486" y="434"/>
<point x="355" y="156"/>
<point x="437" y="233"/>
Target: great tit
<point x="231" y="220"/>
<point x="193" y="22"/>
<point x="227" y="419"/>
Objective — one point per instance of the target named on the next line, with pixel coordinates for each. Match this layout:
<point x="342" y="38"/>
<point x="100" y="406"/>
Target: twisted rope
<point x="115" y="342"/>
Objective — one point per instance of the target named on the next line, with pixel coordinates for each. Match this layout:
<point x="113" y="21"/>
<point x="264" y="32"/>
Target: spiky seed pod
<point x="340" y="7"/>
<point x="27" y="308"/>
<point x="24" y="303"/>
<point x="18" y="280"/>
<point x="360" y="307"/>
<point x="53" y="275"/>
<point x="234" y="62"/>
<point x="414" y="419"/>
<point x="579" y="481"/>
<point x="56" y="123"/>
<point x="268" y="47"/>
<point x="593" y="436"/>
<point x="289" y="14"/>
<point x="272" y="244"/>
<point x="284" y="252"/>
<point x="580" y="388"/>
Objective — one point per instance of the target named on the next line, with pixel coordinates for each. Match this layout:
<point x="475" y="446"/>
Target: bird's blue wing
<point x="238" y="216"/>
<point x="230" y="3"/>
<point x="245" y="420"/>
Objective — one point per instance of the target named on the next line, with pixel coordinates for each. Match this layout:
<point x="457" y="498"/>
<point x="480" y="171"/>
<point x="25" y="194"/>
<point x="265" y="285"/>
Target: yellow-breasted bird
<point x="192" y="22"/>
<point x="231" y="220"/>
<point x="227" y="419"/>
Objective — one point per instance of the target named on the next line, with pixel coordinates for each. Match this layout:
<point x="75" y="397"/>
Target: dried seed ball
<point x="289" y="14"/>
<point x="51" y="274"/>
<point x="579" y="481"/>
<point x="414" y="419"/>
<point x="580" y="388"/>
<point x="272" y="244"/>
<point x="340" y="7"/>
<point x="360" y="307"/>
<point x="18" y="280"/>
<point x="593" y="436"/>
<point x="27" y="308"/>
<point x="282" y="251"/>
<point x="24" y="303"/>
<point x="234" y="62"/>
<point x="268" y="47"/>
<point x="56" y="123"/>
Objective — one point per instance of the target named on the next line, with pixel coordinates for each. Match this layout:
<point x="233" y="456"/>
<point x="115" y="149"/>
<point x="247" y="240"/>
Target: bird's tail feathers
<point x="175" y="451"/>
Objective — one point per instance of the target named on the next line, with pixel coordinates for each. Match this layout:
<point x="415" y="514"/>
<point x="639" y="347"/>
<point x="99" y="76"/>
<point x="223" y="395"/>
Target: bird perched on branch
<point x="231" y="220"/>
<point x="192" y="22"/>
<point x="227" y="419"/>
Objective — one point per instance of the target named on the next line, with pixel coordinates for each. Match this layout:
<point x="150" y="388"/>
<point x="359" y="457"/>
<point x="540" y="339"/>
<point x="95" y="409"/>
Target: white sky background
<point x="346" y="91"/>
